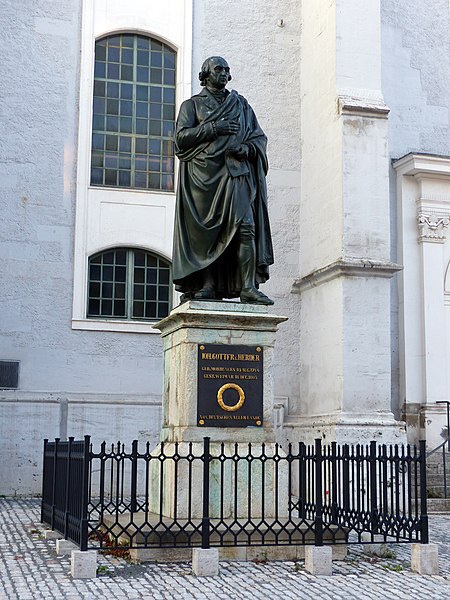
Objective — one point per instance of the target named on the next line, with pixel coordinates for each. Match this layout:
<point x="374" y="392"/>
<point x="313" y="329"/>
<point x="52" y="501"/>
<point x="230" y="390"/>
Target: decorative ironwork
<point x="249" y="495"/>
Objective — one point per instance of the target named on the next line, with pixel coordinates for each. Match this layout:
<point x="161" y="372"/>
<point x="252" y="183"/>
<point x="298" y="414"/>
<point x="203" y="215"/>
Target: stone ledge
<point x="355" y="106"/>
<point x="349" y="267"/>
<point x="219" y="315"/>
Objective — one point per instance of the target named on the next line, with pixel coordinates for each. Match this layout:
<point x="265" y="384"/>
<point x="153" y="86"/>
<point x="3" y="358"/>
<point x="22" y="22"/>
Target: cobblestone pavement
<point x="29" y="568"/>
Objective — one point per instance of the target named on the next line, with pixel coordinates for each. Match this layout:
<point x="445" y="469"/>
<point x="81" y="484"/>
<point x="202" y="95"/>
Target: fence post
<point x="85" y="493"/>
<point x="334" y="483"/>
<point x="67" y="491"/>
<point x="346" y="479"/>
<point x="55" y="459"/>
<point x="205" y="519"/>
<point x="424" y="539"/>
<point x="318" y="521"/>
<point x="373" y="487"/>
<point x="302" y="481"/>
<point x="134" y="458"/>
<point x="44" y="480"/>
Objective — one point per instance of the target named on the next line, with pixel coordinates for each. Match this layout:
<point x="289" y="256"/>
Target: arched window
<point x="127" y="283"/>
<point x="133" y="113"/>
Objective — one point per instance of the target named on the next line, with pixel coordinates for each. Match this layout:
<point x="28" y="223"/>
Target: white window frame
<point x="109" y="217"/>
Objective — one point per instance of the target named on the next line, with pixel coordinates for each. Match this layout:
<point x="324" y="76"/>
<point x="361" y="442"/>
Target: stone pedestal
<point x="188" y="327"/>
<point x="198" y="322"/>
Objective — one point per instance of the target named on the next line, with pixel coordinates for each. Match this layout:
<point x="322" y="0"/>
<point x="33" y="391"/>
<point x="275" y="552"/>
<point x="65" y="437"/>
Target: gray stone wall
<point x="119" y="376"/>
<point x="416" y="75"/>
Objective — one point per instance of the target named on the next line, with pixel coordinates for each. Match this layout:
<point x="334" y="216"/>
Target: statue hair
<point x="206" y="70"/>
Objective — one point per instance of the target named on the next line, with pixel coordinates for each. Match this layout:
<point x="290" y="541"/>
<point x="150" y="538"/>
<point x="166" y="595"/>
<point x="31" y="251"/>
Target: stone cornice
<point x="349" y="267"/>
<point x="362" y="107"/>
<point x="219" y="315"/>
<point x="423" y="164"/>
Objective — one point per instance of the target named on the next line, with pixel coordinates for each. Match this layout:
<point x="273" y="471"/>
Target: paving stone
<point x="30" y="569"/>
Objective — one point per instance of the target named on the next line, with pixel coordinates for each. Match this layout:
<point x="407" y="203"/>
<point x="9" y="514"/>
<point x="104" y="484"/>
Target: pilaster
<point x="345" y="258"/>
<point x="423" y="191"/>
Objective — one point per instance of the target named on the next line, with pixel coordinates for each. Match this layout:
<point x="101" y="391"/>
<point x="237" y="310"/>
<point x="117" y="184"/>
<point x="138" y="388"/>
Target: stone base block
<point x="232" y="553"/>
<point x="83" y="565"/>
<point x="140" y="555"/>
<point x="205" y="563"/>
<point x="374" y="545"/>
<point x="347" y="429"/>
<point x="49" y="534"/>
<point x="318" y="560"/>
<point x="64" y="547"/>
<point x="425" y="559"/>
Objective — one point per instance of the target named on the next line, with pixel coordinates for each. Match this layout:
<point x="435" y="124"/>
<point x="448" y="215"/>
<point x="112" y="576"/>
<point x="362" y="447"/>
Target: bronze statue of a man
<point x="222" y="241"/>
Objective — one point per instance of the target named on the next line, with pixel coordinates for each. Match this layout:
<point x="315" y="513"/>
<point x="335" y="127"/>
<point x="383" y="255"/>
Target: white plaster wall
<point x="265" y="63"/>
<point x="366" y="225"/>
<point x="366" y="348"/>
<point x="322" y="376"/>
<point x="321" y="223"/>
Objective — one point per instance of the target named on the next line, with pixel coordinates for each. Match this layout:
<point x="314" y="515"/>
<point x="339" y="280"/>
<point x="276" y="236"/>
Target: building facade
<point x="354" y="98"/>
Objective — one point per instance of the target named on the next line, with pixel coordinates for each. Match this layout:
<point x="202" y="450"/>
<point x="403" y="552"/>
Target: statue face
<point x="219" y="72"/>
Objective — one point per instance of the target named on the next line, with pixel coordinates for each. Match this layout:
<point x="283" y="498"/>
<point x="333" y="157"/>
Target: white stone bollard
<point x="205" y="562"/>
<point x="425" y="559"/>
<point x="318" y="560"/>
<point x="83" y="564"/>
<point x="64" y="547"/>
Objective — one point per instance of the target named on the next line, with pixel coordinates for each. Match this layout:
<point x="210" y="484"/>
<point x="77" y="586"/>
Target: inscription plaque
<point x="230" y="386"/>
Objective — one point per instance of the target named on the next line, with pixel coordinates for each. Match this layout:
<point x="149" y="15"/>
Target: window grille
<point x="126" y="283"/>
<point x="133" y="113"/>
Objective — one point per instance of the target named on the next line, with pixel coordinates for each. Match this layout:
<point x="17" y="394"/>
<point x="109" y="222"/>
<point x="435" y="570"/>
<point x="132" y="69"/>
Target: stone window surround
<point x="106" y="218"/>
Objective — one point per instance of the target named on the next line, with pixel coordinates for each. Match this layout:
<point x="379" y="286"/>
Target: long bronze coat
<point x="215" y="192"/>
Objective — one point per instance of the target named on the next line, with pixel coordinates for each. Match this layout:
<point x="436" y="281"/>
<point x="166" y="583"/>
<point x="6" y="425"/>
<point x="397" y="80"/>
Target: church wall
<point x="416" y="87"/>
<point x="75" y="381"/>
<point x="416" y="75"/>
<point x="71" y="382"/>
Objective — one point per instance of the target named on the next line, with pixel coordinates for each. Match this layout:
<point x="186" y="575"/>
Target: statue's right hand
<point x="226" y="127"/>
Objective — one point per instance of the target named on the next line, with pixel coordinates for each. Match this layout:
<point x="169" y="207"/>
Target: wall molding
<point x="347" y="267"/>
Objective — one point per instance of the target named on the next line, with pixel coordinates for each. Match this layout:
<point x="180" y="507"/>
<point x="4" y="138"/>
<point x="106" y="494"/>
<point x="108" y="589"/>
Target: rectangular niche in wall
<point x="9" y="374"/>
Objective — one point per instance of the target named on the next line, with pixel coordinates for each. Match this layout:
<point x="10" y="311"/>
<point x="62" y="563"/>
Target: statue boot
<point x="207" y="292"/>
<point x="247" y="265"/>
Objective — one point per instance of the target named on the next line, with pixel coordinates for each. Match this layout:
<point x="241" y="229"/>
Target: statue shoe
<point x="208" y="293"/>
<point x="254" y="296"/>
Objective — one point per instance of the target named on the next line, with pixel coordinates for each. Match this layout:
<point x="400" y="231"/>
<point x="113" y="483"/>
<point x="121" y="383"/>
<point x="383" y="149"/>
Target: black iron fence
<point x="441" y="458"/>
<point x="211" y="494"/>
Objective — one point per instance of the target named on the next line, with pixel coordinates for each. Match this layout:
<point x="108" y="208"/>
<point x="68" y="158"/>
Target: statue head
<point x="215" y="72"/>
